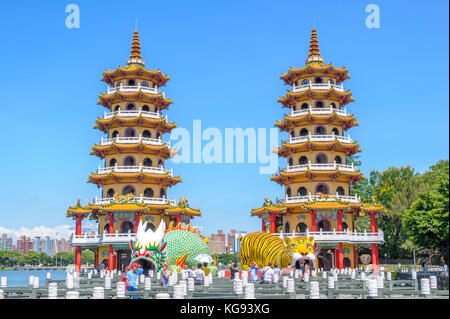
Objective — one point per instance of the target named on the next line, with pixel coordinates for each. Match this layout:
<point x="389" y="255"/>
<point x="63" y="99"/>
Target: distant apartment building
<point x="217" y="243"/>
<point x="6" y="243"/>
<point x="63" y="245"/>
<point x="233" y="242"/>
<point x="25" y="244"/>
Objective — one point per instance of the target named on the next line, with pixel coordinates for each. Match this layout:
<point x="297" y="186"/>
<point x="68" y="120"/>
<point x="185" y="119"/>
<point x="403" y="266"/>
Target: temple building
<point x="319" y="174"/>
<point x="132" y="177"/>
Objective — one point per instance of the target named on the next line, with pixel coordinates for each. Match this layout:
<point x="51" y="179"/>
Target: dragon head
<point x="149" y="245"/>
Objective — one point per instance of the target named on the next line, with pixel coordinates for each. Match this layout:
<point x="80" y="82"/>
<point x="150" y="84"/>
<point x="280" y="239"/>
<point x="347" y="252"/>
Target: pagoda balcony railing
<point x="319" y="111"/>
<point x="134" y="113"/>
<point x="133" y="140"/>
<point x="105" y="238"/>
<point x="140" y="199"/>
<point x="135" y="88"/>
<point x="318" y="86"/>
<point x="321" y="167"/>
<point x="320" y="138"/>
<point x="321" y="198"/>
<point x="134" y="169"/>
<point x="338" y="236"/>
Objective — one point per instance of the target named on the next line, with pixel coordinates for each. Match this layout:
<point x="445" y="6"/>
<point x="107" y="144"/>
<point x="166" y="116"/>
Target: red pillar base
<point x="110" y="258"/>
<point x="340" y="259"/>
<point x="78" y="259"/>
<point x="375" y="258"/>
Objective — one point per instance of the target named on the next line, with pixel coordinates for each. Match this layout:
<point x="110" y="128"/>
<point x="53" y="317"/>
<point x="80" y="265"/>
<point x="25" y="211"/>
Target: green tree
<point x="31" y="258"/>
<point x="427" y="221"/>
<point x="87" y="256"/>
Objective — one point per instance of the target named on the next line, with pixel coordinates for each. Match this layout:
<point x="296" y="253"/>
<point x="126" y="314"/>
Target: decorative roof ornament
<point x="135" y="56"/>
<point x="314" y="52"/>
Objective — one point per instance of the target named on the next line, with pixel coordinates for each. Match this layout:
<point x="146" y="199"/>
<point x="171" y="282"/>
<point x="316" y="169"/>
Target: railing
<point x="141" y="199"/>
<point x="321" y="167"/>
<point x="135" y="88"/>
<point x="133" y="140"/>
<point x="318" y="86"/>
<point x="134" y="113"/>
<point x="134" y="169"/>
<point x="339" y="236"/>
<point x="319" y="111"/>
<point x="106" y="238"/>
<point x="320" y="138"/>
<point x="321" y="198"/>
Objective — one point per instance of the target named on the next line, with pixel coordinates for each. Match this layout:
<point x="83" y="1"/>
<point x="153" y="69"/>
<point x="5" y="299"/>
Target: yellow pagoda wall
<point x="139" y="187"/>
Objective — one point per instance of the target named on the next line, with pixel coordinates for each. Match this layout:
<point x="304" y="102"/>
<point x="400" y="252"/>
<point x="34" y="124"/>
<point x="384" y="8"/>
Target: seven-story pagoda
<point x="319" y="171"/>
<point x="133" y="179"/>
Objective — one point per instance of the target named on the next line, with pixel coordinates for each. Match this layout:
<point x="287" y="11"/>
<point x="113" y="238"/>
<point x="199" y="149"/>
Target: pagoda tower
<point x="319" y="174"/>
<point x="133" y="178"/>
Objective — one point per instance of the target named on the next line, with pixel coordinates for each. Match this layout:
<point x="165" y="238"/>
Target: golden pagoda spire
<point x="314" y="52"/>
<point x="135" y="56"/>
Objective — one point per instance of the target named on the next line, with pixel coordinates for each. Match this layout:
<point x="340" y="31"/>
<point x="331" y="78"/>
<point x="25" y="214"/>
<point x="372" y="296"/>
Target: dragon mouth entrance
<point x="151" y="264"/>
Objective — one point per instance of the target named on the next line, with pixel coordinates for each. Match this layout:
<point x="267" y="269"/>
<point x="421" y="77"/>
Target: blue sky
<point x="224" y="59"/>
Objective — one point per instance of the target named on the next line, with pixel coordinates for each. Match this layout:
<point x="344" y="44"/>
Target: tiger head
<point x="301" y="248"/>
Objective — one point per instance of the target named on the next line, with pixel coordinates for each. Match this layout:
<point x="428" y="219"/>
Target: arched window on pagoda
<point x="333" y="105"/>
<point x="318" y="80"/>
<point x="144" y="84"/>
<point x="302" y="192"/>
<point x="303" y="160"/>
<point x="148" y="162"/>
<point x="147" y="134"/>
<point x="347" y="262"/>
<point x="288" y="192"/>
<point x="292" y="134"/>
<point x="128" y="189"/>
<point x="301" y="228"/>
<point x="148" y="192"/>
<point x="118" y="84"/>
<point x="106" y="229"/>
<point x="344" y="226"/>
<point x="340" y="191"/>
<point x="162" y="193"/>
<point x="160" y="163"/>
<point x="131" y="107"/>
<point x="116" y="108"/>
<point x="304" y="132"/>
<point x="321" y="158"/>
<point x="338" y="159"/>
<point x="331" y="81"/>
<point x="115" y="134"/>
<point x="322" y="189"/>
<point x="305" y="82"/>
<point x="319" y="105"/>
<point x="158" y="135"/>
<point x="129" y="161"/>
<point x="126" y="227"/>
<point x="305" y="106"/>
<point x="287" y="227"/>
<point x="290" y="161"/>
<point x="131" y="82"/>
<point x="110" y="193"/>
<point x="335" y="131"/>
<point x="146" y="108"/>
<point x="112" y="162"/>
<point x="324" y="225"/>
<point x="129" y="132"/>
<point x="295" y="83"/>
<point x="320" y="130"/>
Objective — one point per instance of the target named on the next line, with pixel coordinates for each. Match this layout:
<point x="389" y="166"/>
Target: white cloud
<point x="62" y="231"/>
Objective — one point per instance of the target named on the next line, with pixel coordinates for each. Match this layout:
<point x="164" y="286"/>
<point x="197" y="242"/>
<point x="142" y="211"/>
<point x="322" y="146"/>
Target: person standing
<point x="276" y="270"/>
<point x="165" y="275"/>
<point x="254" y="272"/>
<point x="124" y="277"/>
<point x="132" y="277"/>
<point x="233" y="271"/>
<point x="199" y="275"/>
<point x="206" y="269"/>
<point x="267" y="274"/>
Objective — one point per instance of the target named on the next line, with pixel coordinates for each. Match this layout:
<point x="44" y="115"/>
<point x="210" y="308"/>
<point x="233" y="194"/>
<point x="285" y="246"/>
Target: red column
<point x="78" y="259"/>
<point x="355" y="260"/>
<point x="110" y="258"/>
<point x="313" y="220"/>
<point x="339" y="214"/>
<point x="273" y="229"/>
<point x="375" y="258"/>
<point x="136" y="222"/>
<point x="111" y="223"/>
<point x="340" y="259"/>
<point x="97" y="255"/>
<point x="373" y="223"/>
<point x="78" y="249"/>
<point x="263" y="225"/>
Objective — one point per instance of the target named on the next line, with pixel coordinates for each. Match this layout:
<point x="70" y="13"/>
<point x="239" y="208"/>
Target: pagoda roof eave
<point x="311" y="68"/>
<point x="292" y="97"/>
<point x="156" y="75"/>
<point x="162" y="150"/>
<point x="159" y="100"/>
<point x="282" y="177"/>
<point x="166" y="179"/>
<point x="162" y="124"/>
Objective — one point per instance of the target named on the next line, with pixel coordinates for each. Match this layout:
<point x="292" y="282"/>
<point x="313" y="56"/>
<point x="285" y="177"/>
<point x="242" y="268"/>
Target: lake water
<point x="20" y="278"/>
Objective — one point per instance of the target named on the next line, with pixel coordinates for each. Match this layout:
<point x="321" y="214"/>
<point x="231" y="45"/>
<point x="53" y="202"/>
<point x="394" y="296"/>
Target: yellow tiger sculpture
<point x="262" y="248"/>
